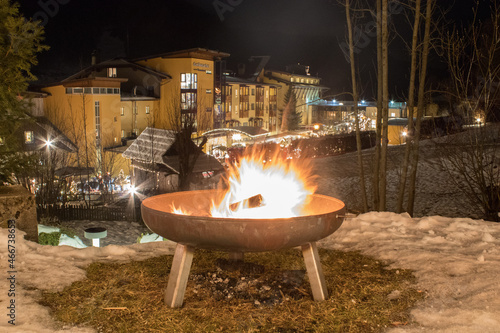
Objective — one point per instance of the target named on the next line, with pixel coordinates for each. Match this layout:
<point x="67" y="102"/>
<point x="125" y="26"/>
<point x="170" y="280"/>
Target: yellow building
<point x="249" y="103"/>
<point x="102" y="106"/>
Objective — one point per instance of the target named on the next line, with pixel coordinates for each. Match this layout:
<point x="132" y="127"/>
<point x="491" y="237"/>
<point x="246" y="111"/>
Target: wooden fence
<point x="67" y="212"/>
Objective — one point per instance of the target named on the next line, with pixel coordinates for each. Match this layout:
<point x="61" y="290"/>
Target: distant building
<point x="249" y="103"/>
<point x="307" y="89"/>
<point x="102" y="106"/>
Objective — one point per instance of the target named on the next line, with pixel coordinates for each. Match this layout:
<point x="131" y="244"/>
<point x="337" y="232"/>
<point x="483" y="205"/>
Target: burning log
<point x="252" y="202"/>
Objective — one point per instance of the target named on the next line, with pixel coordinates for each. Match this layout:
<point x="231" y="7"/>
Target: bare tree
<point x="472" y="158"/>
<point x="410" y="105"/>
<point x="356" y="99"/>
<point x="420" y="107"/>
<point x="188" y="121"/>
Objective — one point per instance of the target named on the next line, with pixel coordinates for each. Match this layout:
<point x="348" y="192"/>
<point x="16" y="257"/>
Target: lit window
<point x="97" y="109"/>
<point x="208" y="71"/>
<point x="123" y="133"/>
<point x="122" y="111"/>
<point x="147" y="109"/>
<point x="189" y="81"/>
<point x="393" y="114"/>
<point x="208" y="91"/>
<point x="111" y="72"/>
<point x="29" y="137"/>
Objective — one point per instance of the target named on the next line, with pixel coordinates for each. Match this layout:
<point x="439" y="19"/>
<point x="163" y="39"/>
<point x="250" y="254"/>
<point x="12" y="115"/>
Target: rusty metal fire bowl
<point x="238" y="235"/>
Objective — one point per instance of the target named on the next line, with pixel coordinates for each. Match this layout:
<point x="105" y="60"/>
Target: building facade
<point x="104" y="105"/>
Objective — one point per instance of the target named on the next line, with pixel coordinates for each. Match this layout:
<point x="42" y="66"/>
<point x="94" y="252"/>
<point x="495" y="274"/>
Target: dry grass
<point x="129" y="297"/>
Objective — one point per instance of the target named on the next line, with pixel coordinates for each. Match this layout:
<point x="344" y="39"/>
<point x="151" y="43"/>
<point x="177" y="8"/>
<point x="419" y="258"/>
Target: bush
<point x="49" y="239"/>
<point x="53" y="237"/>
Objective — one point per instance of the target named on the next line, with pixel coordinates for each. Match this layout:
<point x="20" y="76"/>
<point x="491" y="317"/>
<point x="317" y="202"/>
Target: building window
<point x="189" y="81"/>
<point x="97" y="109"/>
<point x="111" y="72"/>
<point x="208" y="71"/>
<point x="253" y="106"/>
<point x="208" y="91"/>
<point x="29" y="137"/>
<point x="95" y="91"/>
<point x="189" y="92"/>
<point x="253" y="92"/>
<point x="77" y="90"/>
<point x="147" y="109"/>
<point x="115" y="119"/>
<point x="122" y="111"/>
<point x="188" y="101"/>
<point x="123" y="133"/>
<point x="69" y="90"/>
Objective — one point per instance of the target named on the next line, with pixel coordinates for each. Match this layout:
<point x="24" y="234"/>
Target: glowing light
<point x="316" y="127"/>
<point x="48" y="143"/>
<point x="132" y="190"/>
<point x="478" y="120"/>
<point x="236" y="137"/>
<point x="404" y="133"/>
<point x="363" y="101"/>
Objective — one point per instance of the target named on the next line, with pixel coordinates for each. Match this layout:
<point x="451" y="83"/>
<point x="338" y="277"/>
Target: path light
<point x="95" y="234"/>
<point x="132" y="190"/>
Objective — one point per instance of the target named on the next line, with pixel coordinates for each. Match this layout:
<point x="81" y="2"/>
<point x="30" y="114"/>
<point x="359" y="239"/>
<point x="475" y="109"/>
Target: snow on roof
<point x="155" y="144"/>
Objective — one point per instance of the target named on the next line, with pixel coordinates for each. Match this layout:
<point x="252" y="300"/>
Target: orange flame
<point x="179" y="211"/>
<point x="283" y="186"/>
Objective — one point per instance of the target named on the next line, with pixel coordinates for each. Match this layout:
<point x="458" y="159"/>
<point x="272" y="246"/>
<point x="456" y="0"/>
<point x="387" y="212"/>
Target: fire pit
<point x="238" y="235"/>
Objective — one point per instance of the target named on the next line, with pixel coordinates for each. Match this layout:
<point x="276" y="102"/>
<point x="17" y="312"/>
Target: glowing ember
<point x="264" y="187"/>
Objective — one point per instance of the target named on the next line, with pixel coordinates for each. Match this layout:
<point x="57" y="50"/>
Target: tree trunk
<point x="385" y="108"/>
<point x="378" y="128"/>
<point x="420" y="110"/>
<point x="355" y="99"/>
<point x="411" y="97"/>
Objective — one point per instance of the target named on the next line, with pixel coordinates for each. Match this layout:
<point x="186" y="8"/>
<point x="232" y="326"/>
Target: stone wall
<point x="18" y="203"/>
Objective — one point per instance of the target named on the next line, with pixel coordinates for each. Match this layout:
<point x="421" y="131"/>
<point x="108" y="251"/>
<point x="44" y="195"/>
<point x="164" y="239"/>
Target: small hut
<point x="155" y="163"/>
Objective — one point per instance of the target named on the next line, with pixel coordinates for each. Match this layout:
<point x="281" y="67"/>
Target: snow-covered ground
<point x="456" y="259"/>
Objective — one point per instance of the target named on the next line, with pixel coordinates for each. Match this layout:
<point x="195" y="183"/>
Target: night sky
<point x="290" y="31"/>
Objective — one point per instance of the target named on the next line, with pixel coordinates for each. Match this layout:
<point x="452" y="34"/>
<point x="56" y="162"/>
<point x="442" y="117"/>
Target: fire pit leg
<point x="179" y="273"/>
<point x="315" y="271"/>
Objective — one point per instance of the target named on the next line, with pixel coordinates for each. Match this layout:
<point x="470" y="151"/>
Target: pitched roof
<point x="150" y="145"/>
<point x="157" y="145"/>
<point x="197" y="52"/>
<point x="118" y="63"/>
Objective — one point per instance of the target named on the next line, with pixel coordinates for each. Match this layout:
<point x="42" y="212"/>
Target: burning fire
<point x="260" y="186"/>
